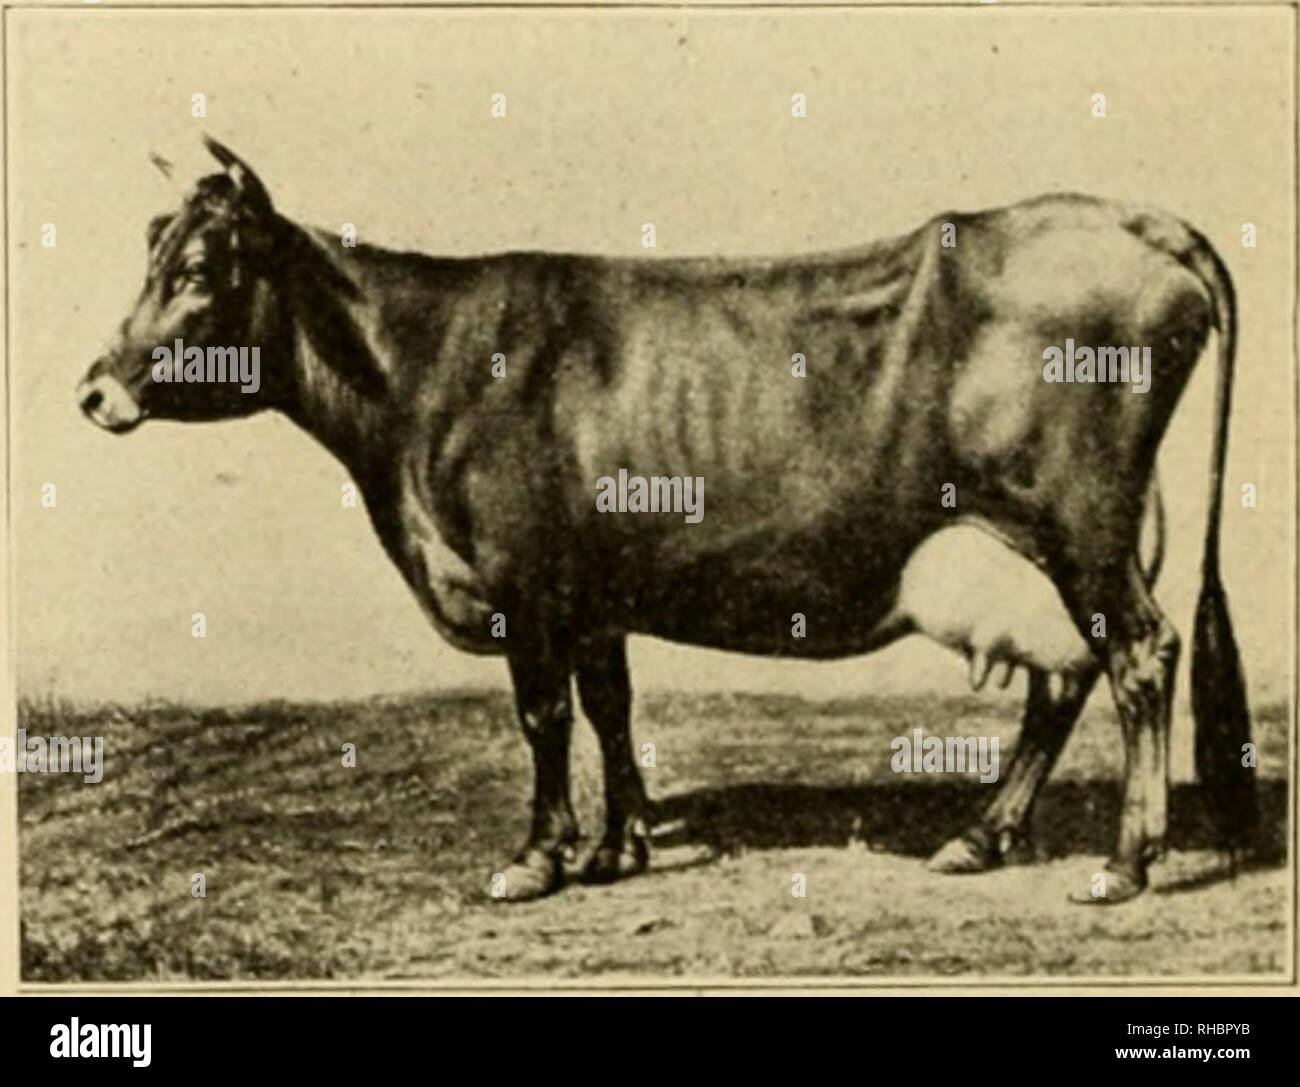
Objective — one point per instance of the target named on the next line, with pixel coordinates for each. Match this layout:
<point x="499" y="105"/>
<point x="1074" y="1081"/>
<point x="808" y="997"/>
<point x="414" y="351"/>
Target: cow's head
<point x="204" y="285"/>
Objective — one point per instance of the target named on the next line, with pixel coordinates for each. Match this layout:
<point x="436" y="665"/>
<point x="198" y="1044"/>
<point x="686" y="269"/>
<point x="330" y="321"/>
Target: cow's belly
<point x="802" y="601"/>
<point x="968" y="590"/>
<point x="961" y="586"/>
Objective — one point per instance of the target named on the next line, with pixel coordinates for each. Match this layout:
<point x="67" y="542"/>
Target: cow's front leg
<point x="606" y="695"/>
<point x="542" y="699"/>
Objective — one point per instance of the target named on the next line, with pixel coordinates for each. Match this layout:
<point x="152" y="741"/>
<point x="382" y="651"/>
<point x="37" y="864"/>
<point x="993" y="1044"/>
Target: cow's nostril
<point x="92" y="400"/>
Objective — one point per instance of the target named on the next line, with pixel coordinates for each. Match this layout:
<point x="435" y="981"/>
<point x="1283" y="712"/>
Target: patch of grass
<point x="317" y="870"/>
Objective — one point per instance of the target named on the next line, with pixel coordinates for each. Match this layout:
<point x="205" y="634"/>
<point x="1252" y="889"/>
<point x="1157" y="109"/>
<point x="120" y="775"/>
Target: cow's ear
<point x="156" y="226"/>
<point x="252" y="193"/>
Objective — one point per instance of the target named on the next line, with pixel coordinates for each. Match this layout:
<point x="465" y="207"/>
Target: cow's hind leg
<point x="543" y="700"/>
<point x="1141" y="654"/>
<point x="606" y="695"/>
<point x="1001" y="834"/>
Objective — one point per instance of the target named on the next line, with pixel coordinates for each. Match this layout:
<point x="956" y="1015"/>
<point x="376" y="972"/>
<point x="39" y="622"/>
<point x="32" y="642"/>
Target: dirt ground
<point x="314" y="870"/>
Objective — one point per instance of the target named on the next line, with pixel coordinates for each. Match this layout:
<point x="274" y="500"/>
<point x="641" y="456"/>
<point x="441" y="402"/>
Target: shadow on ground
<point x="914" y="818"/>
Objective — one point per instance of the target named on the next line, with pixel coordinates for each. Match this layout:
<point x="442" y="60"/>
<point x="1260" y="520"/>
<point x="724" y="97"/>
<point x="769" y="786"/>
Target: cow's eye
<point x="194" y="274"/>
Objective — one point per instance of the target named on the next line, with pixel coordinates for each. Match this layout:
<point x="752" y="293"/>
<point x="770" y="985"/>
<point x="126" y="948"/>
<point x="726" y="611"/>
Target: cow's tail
<point x="1225" y="760"/>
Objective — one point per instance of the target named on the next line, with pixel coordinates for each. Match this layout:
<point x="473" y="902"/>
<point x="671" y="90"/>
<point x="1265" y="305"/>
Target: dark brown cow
<point x="923" y="475"/>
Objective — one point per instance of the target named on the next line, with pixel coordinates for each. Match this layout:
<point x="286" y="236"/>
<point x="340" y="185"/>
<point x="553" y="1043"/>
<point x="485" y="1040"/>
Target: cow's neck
<point x="347" y="314"/>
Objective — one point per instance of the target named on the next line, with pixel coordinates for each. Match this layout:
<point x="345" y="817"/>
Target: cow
<point x="913" y="471"/>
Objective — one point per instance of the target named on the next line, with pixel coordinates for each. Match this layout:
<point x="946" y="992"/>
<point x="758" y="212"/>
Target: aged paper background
<point x="616" y="117"/>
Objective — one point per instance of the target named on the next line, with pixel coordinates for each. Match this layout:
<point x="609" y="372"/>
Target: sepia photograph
<point x="651" y="497"/>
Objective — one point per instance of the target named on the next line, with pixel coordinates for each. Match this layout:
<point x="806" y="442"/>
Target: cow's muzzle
<point x="107" y="403"/>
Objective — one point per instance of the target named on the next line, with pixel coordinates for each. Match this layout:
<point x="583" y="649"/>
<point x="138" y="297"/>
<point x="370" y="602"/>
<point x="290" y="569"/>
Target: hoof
<point x="610" y="863"/>
<point x="973" y="851"/>
<point x="1118" y="885"/>
<point x="533" y="874"/>
<point x="1015" y="848"/>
